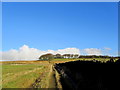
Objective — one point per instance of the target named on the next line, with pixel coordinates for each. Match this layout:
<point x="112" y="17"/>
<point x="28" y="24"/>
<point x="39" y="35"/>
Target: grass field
<point x="15" y="75"/>
<point x="23" y="74"/>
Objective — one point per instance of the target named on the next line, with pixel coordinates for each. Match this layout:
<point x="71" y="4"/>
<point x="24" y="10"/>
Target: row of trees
<point x="50" y="56"/>
<point x="46" y="57"/>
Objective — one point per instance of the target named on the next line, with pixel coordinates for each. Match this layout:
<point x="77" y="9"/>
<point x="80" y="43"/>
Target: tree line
<point x="50" y="56"/>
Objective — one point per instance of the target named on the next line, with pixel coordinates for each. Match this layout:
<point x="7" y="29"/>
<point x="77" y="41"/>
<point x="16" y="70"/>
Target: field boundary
<point x="54" y="78"/>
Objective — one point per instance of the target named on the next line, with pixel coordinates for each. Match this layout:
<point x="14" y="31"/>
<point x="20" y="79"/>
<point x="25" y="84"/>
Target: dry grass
<point x="22" y="74"/>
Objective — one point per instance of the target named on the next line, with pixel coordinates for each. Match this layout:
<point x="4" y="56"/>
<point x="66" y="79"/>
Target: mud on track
<point x="52" y="79"/>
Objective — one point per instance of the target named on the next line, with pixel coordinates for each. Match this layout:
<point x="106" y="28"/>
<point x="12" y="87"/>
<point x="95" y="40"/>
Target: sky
<point x="44" y="26"/>
<point x="60" y="0"/>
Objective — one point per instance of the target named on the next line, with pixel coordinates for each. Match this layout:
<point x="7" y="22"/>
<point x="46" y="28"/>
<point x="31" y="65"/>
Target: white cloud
<point x="69" y="51"/>
<point x="106" y="48"/>
<point x="26" y="53"/>
<point x="92" y="51"/>
<point x="106" y="51"/>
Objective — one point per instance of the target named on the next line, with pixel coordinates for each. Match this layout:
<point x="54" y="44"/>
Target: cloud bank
<point x="27" y="53"/>
<point x="92" y="51"/>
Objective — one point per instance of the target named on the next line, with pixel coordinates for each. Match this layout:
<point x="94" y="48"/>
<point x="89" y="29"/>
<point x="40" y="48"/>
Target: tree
<point x="48" y="57"/>
<point x="58" y="56"/>
<point x="76" y="56"/>
<point x="71" y="55"/>
<point x="66" y="55"/>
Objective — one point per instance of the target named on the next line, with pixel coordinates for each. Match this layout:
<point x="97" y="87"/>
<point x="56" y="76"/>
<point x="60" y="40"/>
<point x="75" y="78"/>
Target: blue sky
<point x="60" y="25"/>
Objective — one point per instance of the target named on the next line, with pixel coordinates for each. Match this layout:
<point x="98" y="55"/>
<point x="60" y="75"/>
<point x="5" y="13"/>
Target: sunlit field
<point x="23" y="74"/>
<point x="31" y="74"/>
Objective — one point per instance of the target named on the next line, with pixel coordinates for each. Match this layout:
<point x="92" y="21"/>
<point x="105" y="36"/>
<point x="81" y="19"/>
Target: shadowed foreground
<point x="89" y="75"/>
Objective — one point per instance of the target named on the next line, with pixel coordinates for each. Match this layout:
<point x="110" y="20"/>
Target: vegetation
<point x="48" y="57"/>
<point x="72" y="57"/>
<point x="23" y="75"/>
<point x="37" y="74"/>
<point x="57" y="56"/>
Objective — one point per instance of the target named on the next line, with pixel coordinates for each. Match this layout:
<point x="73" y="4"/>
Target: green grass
<point x="22" y="81"/>
<point x="9" y="68"/>
<point x="86" y="59"/>
<point x="21" y="76"/>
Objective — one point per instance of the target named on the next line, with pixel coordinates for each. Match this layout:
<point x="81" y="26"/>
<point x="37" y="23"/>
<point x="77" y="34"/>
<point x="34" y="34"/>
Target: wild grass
<point x="21" y="76"/>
